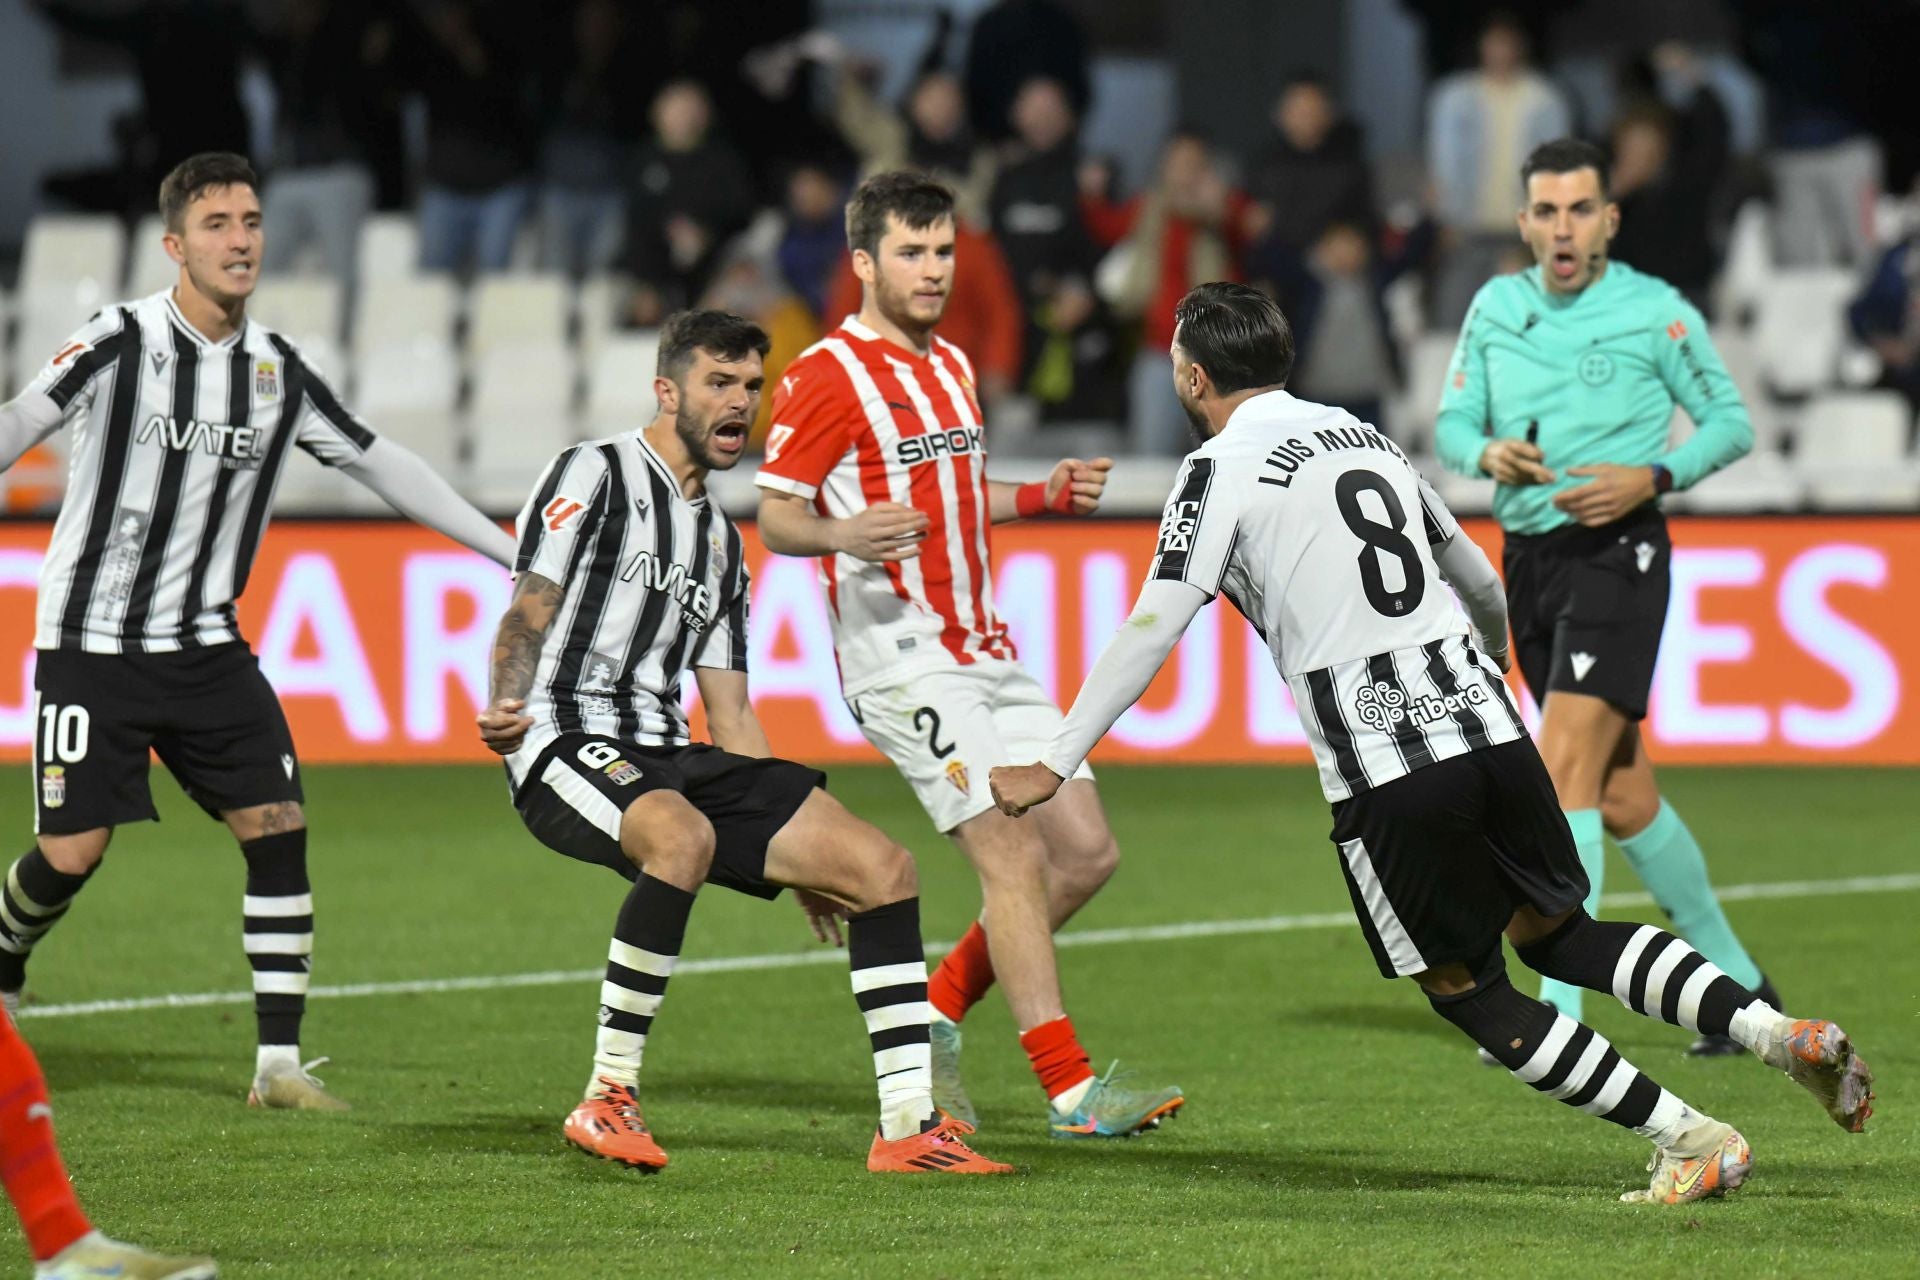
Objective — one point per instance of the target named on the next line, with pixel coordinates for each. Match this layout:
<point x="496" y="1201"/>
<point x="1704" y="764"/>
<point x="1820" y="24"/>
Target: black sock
<point x="1561" y="1058"/>
<point x="647" y="937"/>
<point x="889" y="969"/>
<point x="34" y="898"/>
<point x="1647" y="969"/>
<point x="277" y="915"/>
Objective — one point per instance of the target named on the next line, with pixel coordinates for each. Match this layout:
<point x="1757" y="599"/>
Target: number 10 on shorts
<point x="63" y="734"/>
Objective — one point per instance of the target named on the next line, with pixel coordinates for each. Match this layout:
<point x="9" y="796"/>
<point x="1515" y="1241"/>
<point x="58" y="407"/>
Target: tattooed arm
<point x="516" y="655"/>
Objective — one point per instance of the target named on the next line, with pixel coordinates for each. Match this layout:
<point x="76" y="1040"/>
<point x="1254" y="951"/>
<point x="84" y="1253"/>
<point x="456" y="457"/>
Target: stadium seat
<point x="46" y="317"/>
<point x="1800" y="327"/>
<point x="408" y="392"/>
<point x="149" y="269"/>
<point x="1410" y="418"/>
<point x="620" y="383"/>
<point x="389" y="248"/>
<point x="78" y="252"/>
<point x="520" y="415"/>
<point x="595" y="306"/>
<point x="1856" y="452"/>
<point x="1743" y="366"/>
<point x="1762" y="481"/>
<point x="515" y="309"/>
<point x="308" y="310"/>
<point x="400" y="310"/>
<point x="1749" y="263"/>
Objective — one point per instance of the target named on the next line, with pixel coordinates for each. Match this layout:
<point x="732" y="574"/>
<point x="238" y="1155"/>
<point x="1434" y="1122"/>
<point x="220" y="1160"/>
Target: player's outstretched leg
<point x="36" y="894"/>
<point x="277" y="919"/>
<point x="827" y="851"/>
<point x="1695" y="1156"/>
<point x="1654" y="973"/>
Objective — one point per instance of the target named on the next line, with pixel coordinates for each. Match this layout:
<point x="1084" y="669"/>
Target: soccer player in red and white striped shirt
<point x="876" y="463"/>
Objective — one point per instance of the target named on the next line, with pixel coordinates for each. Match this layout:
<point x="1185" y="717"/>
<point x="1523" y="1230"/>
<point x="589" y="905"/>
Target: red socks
<point x="1057" y="1057"/>
<point x="963" y="977"/>
<point x="30" y="1165"/>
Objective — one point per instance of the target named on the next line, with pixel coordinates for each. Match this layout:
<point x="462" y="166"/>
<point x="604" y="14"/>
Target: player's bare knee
<point x="887" y="875"/>
<point x="76" y="854"/>
<point x="668" y="839"/>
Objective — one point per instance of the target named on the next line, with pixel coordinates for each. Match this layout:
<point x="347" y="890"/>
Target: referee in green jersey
<point x="1560" y="389"/>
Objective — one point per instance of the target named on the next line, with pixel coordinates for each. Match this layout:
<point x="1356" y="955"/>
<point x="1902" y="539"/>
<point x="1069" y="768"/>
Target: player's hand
<point x="823" y="915"/>
<point x="502" y="727"/>
<point x="1515" y="462"/>
<point x="884" y="531"/>
<point x="1018" y="787"/>
<point x="1613" y="491"/>
<point x="1075" y="487"/>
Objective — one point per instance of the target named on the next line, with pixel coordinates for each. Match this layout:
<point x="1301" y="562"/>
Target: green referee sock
<point x="1588" y="837"/>
<point x="1669" y="862"/>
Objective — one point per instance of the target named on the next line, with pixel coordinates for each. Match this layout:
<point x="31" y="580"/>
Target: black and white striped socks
<point x="1656" y="974"/>
<point x="32" y="901"/>
<point x="647" y="937"/>
<point x="277" y="925"/>
<point x="890" y="984"/>
<point x="1566" y="1060"/>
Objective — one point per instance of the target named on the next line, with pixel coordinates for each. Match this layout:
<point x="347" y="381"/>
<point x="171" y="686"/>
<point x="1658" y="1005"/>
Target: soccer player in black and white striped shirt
<point x="1320" y="532"/>
<point x="628" y="577"/>
<point x="184" y="413"/>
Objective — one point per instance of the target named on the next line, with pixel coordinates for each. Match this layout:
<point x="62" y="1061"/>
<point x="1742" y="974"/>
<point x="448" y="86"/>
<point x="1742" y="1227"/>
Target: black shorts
<point x="1438" y="861"/>
<point x="1588" y="606"/>
<point x="209" y="713"/>
<point x="581" y="784"/>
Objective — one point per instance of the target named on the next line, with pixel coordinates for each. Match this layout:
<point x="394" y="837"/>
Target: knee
<point x="1017" y="864"/>
<point x="1091" y="863"/>
<point x="679" y="852"/>
<point x="887" y="875"/>
<point x="1626" y="814"/>
<point x="76" y="855"/>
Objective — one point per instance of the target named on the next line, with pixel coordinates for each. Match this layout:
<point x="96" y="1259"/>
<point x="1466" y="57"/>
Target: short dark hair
<point x="1237" y="334"/>
<point x="195" y="176"/>
<point x="719" y="333"/>
<point x="1566" y="155"/>
<point x="916" y="199"/>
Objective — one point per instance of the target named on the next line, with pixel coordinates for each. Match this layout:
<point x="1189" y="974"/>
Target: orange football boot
<point x="607" y="1124"/>
<point x="941" y="1149"/>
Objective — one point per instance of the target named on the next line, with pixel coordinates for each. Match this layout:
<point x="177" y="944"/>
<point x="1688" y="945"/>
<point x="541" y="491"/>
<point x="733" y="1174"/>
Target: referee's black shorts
<point x="1437" y="861"/>
<point x="1588" y="606"/>
<point x="581" y="784"/>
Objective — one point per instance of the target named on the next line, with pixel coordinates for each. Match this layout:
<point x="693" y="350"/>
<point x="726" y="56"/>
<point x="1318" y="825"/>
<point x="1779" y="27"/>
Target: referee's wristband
<point x="1030" y="500"/>
<point x="1662" y="479"/>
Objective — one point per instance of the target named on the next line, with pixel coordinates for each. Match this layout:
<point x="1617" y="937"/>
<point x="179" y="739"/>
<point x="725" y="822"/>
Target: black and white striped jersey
<point x="1320" y="532"/>
<point x="655" y="584"/>
<point x="178" y="443"/>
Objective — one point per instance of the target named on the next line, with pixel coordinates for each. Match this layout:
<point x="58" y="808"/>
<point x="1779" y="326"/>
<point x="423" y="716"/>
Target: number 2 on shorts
<point x="929" y="719"/>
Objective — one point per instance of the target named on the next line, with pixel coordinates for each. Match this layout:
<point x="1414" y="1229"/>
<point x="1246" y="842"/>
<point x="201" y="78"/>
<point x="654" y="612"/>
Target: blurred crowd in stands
<point x="632" y="141"/>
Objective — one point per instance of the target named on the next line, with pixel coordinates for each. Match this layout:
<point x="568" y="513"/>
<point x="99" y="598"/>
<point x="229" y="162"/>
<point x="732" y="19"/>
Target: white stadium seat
<point x="620" y="383"/>
<point x="1761" y="481"/>
<point x="408" y="393"/>
<point x="1801" y="325"/>
<point x="1749" y="263"/>
<point x="1856" y="451"/>
<point x="519" y="415"/>
<point x="149" y="269"/>
<point x="1410" y="418"/>
<point x="389" y="248"/>
<point x="595" y="309"/>
<point x="308" y="310"/>
<point x="47" y="316"/>
<point x="83" y="252"/>
<point x="1743" y="366"/>
<point x="399" y="311"/>
<point x="515" y="309"/>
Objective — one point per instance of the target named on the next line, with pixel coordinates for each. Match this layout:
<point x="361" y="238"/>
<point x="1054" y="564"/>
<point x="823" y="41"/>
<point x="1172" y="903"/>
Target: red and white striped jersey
<point x="858" y="420"/>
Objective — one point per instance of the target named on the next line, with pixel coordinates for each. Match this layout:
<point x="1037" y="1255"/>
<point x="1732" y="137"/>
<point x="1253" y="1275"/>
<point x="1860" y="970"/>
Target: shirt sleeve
<point x="1460" y="430"/>
<point x="724" y="646"/>
<point x="567" y="506"/>
<point x="70" y="376"/>
<point x="1440" y="525"/>
<point x="1197" y="528"/>
<point x="325" y="429"/>
<point x="1699" y="381"/>
<point x="813" y="412"/>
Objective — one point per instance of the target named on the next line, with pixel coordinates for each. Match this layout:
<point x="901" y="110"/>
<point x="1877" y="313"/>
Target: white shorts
<point x="944" y="729"/>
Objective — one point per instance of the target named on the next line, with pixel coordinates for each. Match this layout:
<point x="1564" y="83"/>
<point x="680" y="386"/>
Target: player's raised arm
<point x="1072" y="489"/>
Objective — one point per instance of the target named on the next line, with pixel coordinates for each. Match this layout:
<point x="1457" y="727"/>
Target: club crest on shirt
<point x="957" y="775"/>
<point x="1596" y="368"/>
<point x="53" y="787"/>
<point x="266" y="379"/>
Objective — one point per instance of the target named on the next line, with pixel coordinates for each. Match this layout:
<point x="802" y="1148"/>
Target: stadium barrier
<point x="1787" y="642"/>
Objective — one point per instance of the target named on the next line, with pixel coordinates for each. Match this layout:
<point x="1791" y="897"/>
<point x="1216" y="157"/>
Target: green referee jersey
<point x="1598" y="373"/>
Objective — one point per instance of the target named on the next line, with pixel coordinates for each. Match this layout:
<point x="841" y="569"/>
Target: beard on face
<point x="898" y="309"/>
<point x="697" y="437"/>
<point x="1196" y="419"/>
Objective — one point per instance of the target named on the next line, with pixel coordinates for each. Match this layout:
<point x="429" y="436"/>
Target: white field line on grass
<point x="828" y="955"/>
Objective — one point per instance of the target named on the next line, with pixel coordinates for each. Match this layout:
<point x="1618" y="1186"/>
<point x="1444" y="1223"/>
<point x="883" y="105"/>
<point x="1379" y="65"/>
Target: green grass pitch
<point x="1335" y="1127"/>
